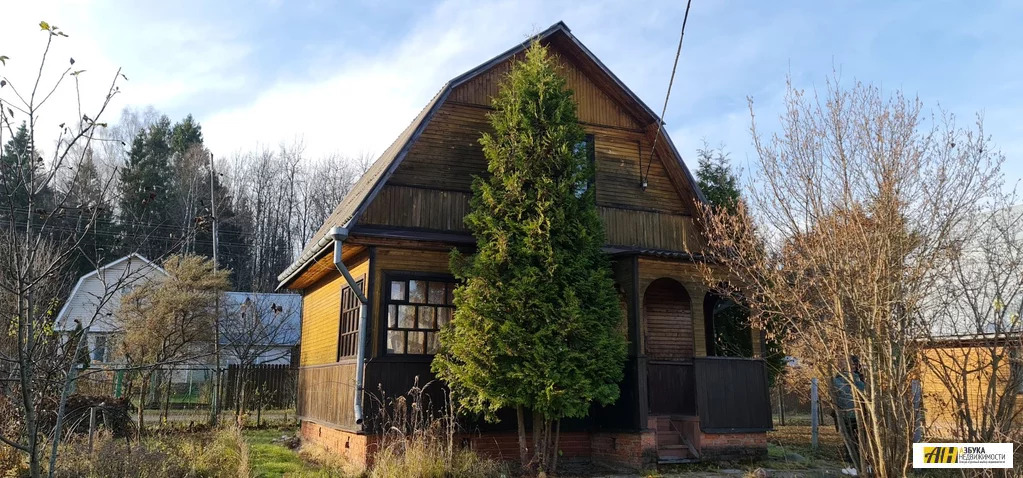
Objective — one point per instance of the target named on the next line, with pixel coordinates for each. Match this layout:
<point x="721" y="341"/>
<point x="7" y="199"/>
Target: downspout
<point x="339" y="234"/>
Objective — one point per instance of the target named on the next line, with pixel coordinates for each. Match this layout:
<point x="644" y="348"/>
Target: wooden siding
<point x="595" y="105"/>
<point x="447" y="154"/>
<point x="326" y="394"/>
<point x="398" y="260"/>
<point x="668" y="328"/>
<point x="941" y="404"/>
<point x="622" y="159"/>
<point x="732" y="395"/>
<point x="671" y="389"/>
<point x="415" y="207"/>
<point x="321" y="314"/>
<point x="690" y="278"/>
<point x="650" y="230"/>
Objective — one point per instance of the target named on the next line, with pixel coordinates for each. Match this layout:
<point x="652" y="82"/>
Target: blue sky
<point x="346" y="77"/>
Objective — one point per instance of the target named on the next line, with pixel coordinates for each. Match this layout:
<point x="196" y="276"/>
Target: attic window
<point x="586" y="146"/>
<point x="417" y="308"/>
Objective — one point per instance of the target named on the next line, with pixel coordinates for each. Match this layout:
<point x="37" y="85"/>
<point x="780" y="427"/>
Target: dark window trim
<point x="364" y="279"/>
<point x="389" y="275"/>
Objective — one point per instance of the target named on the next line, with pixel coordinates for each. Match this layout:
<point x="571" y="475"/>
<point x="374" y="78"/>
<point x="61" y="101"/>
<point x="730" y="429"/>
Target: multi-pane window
<point x="416" y="310"/>
<point x="348" y="332"/>
<point x="587" y="148"/>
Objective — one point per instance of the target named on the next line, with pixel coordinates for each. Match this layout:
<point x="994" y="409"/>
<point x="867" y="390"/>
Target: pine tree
<point x="145" y="202"/>
<point x="20" y="176"/>
<point x="537" y="318"/>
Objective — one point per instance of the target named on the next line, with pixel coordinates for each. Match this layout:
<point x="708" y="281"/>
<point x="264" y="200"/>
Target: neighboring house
<point x="96" y="298"/>
<point x="959" y="381"/>
<point x="257" y="328"/>
<point x="260" y="328"/>
<point x="973" y="361"/>
<point x="406" y="214"/>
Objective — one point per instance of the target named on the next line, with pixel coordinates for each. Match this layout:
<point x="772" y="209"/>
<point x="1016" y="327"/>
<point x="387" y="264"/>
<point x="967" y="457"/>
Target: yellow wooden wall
<point x="321" y="314"/>
<point x="940" y="404"/>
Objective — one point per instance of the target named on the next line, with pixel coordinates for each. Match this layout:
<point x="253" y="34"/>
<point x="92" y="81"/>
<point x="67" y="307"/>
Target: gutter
<point x="339" y="234"/>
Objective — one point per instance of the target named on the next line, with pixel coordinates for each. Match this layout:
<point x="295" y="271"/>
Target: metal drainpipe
<point x="339" y="234"/>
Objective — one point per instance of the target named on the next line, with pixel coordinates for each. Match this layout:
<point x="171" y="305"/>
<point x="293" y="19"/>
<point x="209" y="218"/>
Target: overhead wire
<point x="664" y="109"/>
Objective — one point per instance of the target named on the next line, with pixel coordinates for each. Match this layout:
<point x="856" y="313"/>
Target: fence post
<point x="92" y="425"/>
<point x="918" y="413"/>
<point x="781" y="400"/>
<point x="814" y="418"/>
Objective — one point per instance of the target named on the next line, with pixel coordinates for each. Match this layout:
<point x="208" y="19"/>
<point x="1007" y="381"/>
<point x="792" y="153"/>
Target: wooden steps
<point x="673" y="446"/>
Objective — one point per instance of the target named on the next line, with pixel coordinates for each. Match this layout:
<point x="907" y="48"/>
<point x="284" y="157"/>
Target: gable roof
<point x="81" y="280"/>
<point x="347" y="213"/>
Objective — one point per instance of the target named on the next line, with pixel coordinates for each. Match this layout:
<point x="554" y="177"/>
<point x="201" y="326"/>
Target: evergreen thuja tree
<point x="537" y="318"/>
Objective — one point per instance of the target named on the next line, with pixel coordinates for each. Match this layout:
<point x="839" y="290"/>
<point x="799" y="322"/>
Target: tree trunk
<point x="554" y="451"/>
<point x="523" y="449"/>
<point x="539" y="444"/>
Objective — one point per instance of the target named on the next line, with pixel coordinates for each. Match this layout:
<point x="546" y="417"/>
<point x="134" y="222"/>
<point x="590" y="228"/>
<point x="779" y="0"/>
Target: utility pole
<point x="215" y="413"/>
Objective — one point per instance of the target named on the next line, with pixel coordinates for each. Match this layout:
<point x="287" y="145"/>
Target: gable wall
<point x="87" y="303"/>
<point x="431" y="188"/>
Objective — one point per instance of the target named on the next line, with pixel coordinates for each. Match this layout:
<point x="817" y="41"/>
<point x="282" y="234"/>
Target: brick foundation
<point x="354" y="447"/>
<point x="633" y="451"/>
<point x="732" y="446"/>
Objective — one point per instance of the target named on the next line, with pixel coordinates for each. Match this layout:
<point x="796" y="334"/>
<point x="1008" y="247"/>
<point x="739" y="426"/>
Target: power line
<point x="664" y="109"/>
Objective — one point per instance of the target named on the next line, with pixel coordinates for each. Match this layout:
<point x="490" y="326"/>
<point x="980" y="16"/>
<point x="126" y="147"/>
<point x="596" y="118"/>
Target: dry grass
<point x="219" y="454"/>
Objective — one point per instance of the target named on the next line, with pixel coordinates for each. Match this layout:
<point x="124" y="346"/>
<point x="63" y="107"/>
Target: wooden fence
<point x="266" y="386"/>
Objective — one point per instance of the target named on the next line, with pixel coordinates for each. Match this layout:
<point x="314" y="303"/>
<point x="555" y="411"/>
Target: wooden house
<point x="968" y="380"/>
<point x="393" y="234"/>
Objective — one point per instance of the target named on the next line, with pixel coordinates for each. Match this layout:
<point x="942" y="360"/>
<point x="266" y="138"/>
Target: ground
<point x="269" y="457"/>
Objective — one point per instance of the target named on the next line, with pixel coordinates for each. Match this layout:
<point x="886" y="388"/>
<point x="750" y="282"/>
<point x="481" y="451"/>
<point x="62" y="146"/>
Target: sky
<point x="347" y="77"/>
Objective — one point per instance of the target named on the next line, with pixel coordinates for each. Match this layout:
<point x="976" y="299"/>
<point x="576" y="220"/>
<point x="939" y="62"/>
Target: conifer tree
<point x="537" y="319"/>
<point x="145" y="200"/>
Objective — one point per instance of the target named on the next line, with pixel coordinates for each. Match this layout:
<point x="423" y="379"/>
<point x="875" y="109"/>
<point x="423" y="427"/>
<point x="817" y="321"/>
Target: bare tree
<point x="257" y="329"/>
<point x="858" y="203"/>
<point x="37" y="245"/>
<point x="973" y="352"/>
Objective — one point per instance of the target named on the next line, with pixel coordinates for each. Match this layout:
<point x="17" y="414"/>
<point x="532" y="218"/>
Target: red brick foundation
<point x="732" y="446"/>
<point x="634" y="451"/>
<point x="355" y="447"/>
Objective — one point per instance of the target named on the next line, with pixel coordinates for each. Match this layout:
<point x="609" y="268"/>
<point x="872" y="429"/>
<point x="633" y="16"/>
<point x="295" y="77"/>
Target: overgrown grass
<point x="218" y="454"/>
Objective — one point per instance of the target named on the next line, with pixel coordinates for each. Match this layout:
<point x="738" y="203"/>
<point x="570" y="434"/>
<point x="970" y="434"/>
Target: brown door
<point x="669" y="346"/>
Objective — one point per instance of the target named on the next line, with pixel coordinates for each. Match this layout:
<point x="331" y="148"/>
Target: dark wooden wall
<point x="732" y="395"/>
<point x="431" y="187"/>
